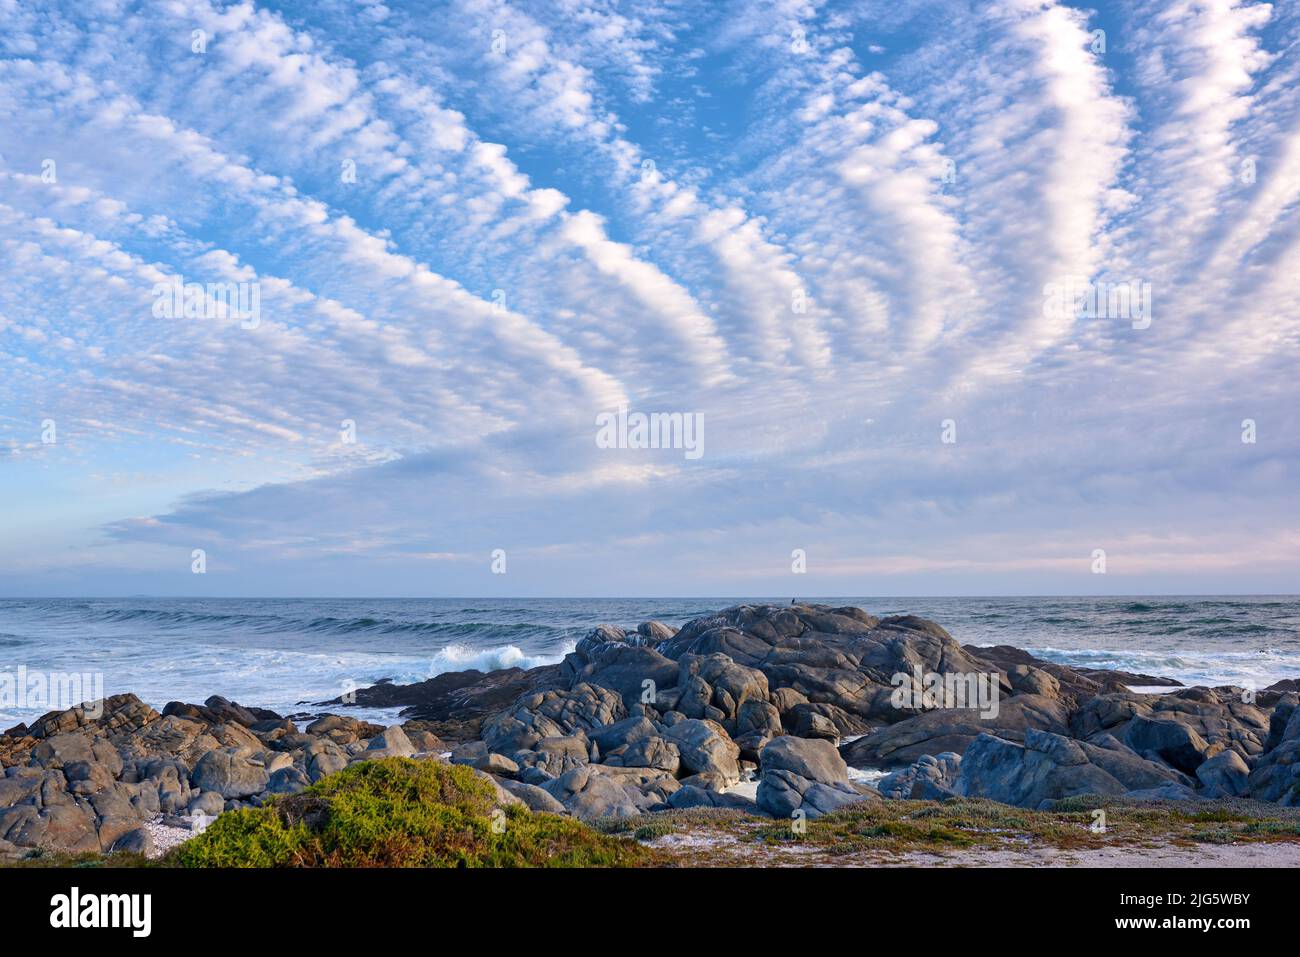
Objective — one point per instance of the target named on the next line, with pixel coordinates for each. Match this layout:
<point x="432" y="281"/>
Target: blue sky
<point x="560" y="208"/>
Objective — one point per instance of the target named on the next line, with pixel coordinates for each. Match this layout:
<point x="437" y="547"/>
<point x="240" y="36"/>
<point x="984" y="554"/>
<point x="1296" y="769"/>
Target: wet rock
<point x="596" y="638"/>
<point x="455" y="702"/>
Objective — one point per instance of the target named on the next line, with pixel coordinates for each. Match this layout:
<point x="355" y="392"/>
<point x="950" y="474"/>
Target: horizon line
<point x="811" y="598"/>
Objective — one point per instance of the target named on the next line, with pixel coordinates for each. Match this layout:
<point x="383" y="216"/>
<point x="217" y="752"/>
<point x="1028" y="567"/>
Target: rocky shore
<point x="774" y="712"/>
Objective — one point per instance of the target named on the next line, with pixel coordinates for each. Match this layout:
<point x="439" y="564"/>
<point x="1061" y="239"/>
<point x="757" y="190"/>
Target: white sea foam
<point x="458" y="657"/>
<point x="866" y="775"/>
<point x="1258" y="667"/>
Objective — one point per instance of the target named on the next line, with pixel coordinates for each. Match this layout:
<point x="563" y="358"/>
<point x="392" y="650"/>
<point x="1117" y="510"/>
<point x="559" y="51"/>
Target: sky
<point x="831" y="234"/>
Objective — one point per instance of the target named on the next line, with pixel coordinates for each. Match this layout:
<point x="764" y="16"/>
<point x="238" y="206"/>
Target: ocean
<point x="282" y="653"/>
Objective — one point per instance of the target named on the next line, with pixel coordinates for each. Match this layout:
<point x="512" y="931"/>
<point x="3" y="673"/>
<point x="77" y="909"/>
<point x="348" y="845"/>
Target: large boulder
<point x="537" y="799"/>
<point x="175" y="737"/>
<point x="654" y="632"/>
<point x="597" y="637"/>
<point x="391" y="743"/>
<point x="729" y="684"/>
<point x="705" y="748"/>
<point x="1225" y="775"/>
<point x="953" y="729"/>
<point x="552" y="756"/>
<point x="757" y="722"/>
<point x="786" y="700"/>
<point x="543" y="714"/>
<point x="20" y="790"/>
<point x="634" y="672"/>
<point x="810" y="758"/>
<point x="614" y="737"/>
<point x="1048" y="767"/>
<point x="454" y="703"/>
<point x="114" y="716"/>
<point x="1218" y="716"/>
<point x="1276" y="776"/>
<point x="1280" y="718"/>
<point x="588" y="794"/>
<point x="781" y="793"/>
<point x="343" y="729"/>
<point x="1171" y="741"/>
<point x="823" y="720"/>
<point x="931" y="778"/>
<point x="654" y="752"/>
<point x="323" y="757"/>
<point x="839" y="656"/>
<point x="1028" y="674"/>
<point x="57" y="750"/>
<point x="290" y="780"/>
<point x="230" y="774"/>
<point x="138" y="840"/>
<point x="67" y="826"/>
<point x="805" y="774"/>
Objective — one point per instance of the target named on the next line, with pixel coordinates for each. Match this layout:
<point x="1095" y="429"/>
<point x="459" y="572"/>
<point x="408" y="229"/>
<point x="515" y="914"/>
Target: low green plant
<point x="399" y="812"/>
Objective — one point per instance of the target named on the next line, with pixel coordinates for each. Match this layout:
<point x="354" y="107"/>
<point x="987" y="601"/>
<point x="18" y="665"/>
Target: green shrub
<point x="398" y="812"/>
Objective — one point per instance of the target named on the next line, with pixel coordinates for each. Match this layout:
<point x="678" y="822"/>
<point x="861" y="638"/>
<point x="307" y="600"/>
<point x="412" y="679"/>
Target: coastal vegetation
<point x="397" y="812"/>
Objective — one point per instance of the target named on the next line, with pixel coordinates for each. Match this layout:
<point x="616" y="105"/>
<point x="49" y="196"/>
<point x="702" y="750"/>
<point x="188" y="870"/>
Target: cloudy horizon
<point x="945" y="299"/>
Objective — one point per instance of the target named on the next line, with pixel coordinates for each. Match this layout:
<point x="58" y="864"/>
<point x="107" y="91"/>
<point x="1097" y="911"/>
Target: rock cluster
<point x="788" y="699"/>
<point x="80" y="784"/>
